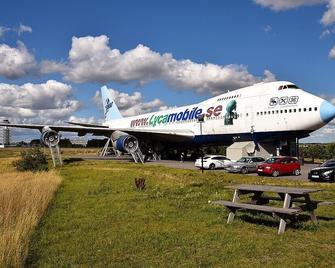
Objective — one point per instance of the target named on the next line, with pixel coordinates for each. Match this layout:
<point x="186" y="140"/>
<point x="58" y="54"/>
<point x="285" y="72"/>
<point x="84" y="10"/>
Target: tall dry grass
<point x="24" y="196"/>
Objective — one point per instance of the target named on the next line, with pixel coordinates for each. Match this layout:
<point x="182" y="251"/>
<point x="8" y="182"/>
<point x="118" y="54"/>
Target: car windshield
<point x="271" y="160"/>
<point x="243" y="160"/>
<point x="329" y="163"/>
<point x="205" y="157"/>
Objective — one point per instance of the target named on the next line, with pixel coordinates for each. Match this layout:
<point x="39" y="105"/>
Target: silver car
<point x="245" y="165"/>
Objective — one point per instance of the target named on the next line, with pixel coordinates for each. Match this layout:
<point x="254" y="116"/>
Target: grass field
<point x="24" y="196"/>
<point x="99" y="219"/>
<point x="11" y="152"/>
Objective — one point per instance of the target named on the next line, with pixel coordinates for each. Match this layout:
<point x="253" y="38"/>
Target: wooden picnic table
<point x="289" y="195"/>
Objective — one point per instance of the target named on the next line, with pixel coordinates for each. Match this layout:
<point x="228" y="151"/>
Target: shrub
<point x="32" y="160"/>
<point x="140" y="183"/>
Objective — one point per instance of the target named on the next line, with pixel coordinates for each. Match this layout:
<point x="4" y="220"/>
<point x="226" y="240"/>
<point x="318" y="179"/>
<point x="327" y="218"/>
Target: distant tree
<point x="314" y="151"/>
<point x="35" y="142"/>
<point x="21" y="144"/>
<point x="65" y="143"/>
<point x="96" y="143"/>
<point x="330" y="150"/>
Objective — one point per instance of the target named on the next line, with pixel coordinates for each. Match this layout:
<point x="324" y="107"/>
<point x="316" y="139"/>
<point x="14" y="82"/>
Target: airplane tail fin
<point x="111" y="111"/>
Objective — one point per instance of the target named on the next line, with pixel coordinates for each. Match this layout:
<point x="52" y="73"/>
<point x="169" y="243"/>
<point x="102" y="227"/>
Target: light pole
<point x="201" y="120"/>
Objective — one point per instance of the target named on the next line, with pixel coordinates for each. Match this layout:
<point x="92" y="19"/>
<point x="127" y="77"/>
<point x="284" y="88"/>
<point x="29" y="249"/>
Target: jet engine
<point x="126" y="143"/>
<point x="49" y="137"/>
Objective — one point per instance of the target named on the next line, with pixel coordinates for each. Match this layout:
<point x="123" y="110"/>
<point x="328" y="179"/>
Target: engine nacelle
<point x="126" y="143"/>
<point x="49" y="137"/>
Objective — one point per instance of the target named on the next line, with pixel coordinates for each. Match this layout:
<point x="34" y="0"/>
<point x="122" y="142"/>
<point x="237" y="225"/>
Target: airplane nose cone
<point x="327" y="111"/>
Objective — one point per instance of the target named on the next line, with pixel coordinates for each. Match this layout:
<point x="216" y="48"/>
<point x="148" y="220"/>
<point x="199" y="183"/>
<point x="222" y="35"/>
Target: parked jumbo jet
<point x="262" y="112"/>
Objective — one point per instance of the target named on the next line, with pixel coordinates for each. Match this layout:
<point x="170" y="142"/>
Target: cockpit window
<point x="287" y="86"/>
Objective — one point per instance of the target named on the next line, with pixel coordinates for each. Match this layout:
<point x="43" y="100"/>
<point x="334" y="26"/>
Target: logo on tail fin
<point x="108" y="105"/>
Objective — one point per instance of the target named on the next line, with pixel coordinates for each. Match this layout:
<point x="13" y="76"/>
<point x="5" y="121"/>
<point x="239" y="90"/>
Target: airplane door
<point x="250" y="118"/>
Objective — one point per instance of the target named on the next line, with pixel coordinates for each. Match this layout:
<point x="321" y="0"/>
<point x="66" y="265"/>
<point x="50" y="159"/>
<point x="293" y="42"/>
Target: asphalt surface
<point x="190" y="165"/>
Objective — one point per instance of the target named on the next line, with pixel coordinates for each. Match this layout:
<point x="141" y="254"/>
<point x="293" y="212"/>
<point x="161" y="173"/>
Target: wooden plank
<point x="268" y="209"/>
<point x="296" y="200"/>
<point x="282" y="224"/>
<point x="274" y="189"/>
<point x="236" y="198"/>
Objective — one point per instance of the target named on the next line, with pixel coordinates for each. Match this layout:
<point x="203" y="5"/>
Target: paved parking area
<point x="190" y="165"/>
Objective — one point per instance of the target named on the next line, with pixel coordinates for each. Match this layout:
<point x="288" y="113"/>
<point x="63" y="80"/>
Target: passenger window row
<point x="229" y="97"/>
<point x="310" y="109"/>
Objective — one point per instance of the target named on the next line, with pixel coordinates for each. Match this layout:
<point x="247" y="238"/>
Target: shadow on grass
<point x="72" y="160"/>
<point x="295" y="222"/>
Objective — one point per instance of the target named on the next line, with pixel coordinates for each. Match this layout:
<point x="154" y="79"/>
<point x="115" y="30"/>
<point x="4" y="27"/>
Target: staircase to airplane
<point x="56" y="155"/>
<point x="138" y="156"/>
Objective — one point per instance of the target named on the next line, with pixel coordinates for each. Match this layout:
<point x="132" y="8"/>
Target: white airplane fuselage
<point x="265" y="111"/>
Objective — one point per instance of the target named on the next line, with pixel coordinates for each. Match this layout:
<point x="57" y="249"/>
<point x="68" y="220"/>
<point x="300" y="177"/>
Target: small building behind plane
<point x="247" y="148"/>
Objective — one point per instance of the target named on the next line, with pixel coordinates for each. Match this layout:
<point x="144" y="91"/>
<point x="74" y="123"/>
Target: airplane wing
<point x="83" y="129"/>
<point x="85" y="124"/>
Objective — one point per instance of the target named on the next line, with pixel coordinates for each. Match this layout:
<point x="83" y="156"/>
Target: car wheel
<point x="296" y="172"/>
<point x="212" y="166"/>
<point x="244" y="170"/>
<point x="275" y="173"/>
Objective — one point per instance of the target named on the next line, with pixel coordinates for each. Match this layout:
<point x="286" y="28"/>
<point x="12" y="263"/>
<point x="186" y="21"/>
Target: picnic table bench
<point x="289" y="195"/>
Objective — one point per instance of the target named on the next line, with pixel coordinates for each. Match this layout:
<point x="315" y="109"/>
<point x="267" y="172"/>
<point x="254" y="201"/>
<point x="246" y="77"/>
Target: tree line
<point x="317" y="151"/>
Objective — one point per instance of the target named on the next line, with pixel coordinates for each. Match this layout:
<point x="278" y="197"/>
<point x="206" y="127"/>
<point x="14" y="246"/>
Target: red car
<point x="279" y="165"/>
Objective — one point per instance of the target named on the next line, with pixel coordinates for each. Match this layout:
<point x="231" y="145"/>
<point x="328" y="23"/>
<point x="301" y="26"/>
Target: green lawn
<point x="100" y="219"/>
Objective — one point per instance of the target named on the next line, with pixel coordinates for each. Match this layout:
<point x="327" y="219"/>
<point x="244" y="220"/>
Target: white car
<point x="213" y="162"/>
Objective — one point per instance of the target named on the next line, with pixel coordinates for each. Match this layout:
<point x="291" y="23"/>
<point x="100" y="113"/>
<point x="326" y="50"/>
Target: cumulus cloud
<point x="42" y="103"/>
<point x="16" y="62"/>
<point x="92" y="60"/>
<point x="280" y="5"/>
<point x="130" y="105"/>
<point x="332" y="53"/>
<point x="328" y="17"/>
<point x="85" y="120"/>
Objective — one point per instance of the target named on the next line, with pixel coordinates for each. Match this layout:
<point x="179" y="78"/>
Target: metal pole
<point x="202" y="154"/>
<point x="201" y="119"/>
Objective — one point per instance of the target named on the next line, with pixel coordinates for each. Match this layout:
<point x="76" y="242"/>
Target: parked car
<point x="324" y="172"/>
<point x="245" y="165"/>
<point x="213" y="161"/>
<point x="280" y="165"/>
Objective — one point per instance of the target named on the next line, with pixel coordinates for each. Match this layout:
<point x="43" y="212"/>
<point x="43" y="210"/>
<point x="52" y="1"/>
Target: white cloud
<point x="324" y="134"/>
<point x="328" y="17"/>
<point x="325" y="33"/>
<point x="280" y="5"/>
<point x="47" y="66"/>
<point x="16" y="62"/>
<point x="42" y="103"/>
<point x="332" y="53"/>
<point x="92" y="60"/>
<point x="85" y="120"/>
<point x="21" y="29"/>
<point x="130" y="105"/>
<point x="24" y="28"/>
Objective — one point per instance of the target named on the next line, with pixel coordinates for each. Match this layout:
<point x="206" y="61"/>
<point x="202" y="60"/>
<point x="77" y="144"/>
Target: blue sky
<point x="287" y="39"/>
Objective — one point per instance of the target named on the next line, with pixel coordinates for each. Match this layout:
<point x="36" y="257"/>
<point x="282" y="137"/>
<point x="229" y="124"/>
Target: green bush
<point x="32" y="160"/>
